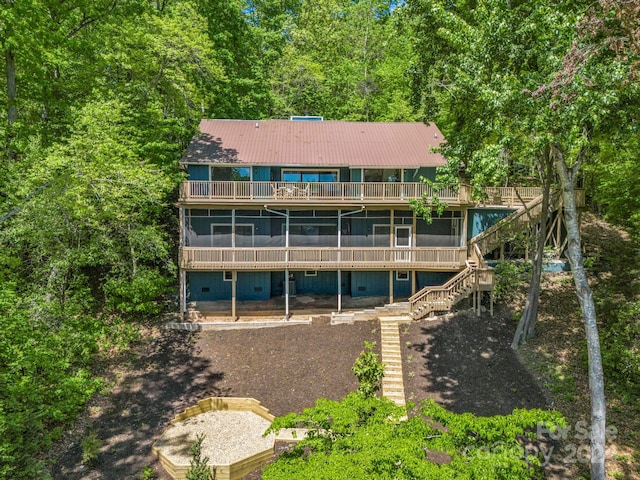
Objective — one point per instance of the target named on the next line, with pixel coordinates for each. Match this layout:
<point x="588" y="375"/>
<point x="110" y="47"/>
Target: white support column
<point x="392" y="231"/>
<point x="465" y="220"/>
<point x="339" y="259"/>
<point x="234" y="287"/>
<point x="286" y="292"/>
<point x="183" y="275"/>
<point x="491" y="300"/>
<point x="233" y="228"/>
<point x="183" y="293"/>
<point x="339" y="291"/>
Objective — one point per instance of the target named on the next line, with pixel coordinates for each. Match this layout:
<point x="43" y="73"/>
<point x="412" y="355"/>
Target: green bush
<point x="90" y="446"/>
<point x="367" y="437"/>
<point x="620" y="340"/>
<point x="199" y="469"/>
<point x="511" y="277"/>
<point x="369" y="371"/>
<point x="137" y="295"/>
<point x="363" y="438"/>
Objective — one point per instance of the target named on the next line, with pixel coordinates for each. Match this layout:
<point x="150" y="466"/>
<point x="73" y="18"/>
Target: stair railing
<point x="522" y="218"/>
<point x="435" y="298"/>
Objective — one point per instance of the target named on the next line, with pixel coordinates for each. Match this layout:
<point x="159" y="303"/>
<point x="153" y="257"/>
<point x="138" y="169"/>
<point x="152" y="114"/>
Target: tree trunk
<point x="526" y="326"/>
<point x="585" y="297"/>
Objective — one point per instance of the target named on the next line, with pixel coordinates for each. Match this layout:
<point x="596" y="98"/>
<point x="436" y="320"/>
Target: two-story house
<point x="279" y="208"/>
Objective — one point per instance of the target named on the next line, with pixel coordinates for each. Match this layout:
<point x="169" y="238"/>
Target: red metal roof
<point x="314" y="143"/>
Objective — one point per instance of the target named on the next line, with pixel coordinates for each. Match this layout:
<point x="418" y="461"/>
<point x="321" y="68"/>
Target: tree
<point x="345" y="60"/>
<point x="540" y="97"/>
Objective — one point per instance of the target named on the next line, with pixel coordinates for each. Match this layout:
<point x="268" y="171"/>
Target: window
<point x="310" y="176"/>
<point x="382" y="175"/>
<point x="234" y="174"/>
<point x="402" y="276"/>
<point x="228" y="276"/>
<point x="311" y="273"/>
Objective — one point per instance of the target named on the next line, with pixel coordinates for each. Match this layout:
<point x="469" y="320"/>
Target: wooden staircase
<point x="503" y="231"/>
<point x="476" y="276"/>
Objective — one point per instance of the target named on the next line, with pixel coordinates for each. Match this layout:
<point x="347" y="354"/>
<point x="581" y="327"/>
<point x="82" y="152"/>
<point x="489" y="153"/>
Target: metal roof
<point x="327" y="143"/>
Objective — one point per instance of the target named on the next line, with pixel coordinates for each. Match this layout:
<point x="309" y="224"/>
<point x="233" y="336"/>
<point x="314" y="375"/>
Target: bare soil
<point x="463" y="362"/>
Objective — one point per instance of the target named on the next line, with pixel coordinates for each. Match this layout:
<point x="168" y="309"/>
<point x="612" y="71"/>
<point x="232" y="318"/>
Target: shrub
<point x="90" y="446"/>
<point x="369" y="371"/>
<point x="199" y="469"/>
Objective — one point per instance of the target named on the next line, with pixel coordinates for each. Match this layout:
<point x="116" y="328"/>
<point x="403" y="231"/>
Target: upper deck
<point x="302" y="194"/>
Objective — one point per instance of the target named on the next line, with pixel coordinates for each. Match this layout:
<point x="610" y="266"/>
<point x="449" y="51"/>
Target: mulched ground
<point x="464" y="362"/>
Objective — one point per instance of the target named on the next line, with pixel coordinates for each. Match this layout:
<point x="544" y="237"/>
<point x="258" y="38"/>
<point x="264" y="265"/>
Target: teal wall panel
<point x="425" y="279"/>
<point x="207" y="287"/>
<point x="402" y="288"/>
<point x="413" y="175"/>
<point x="253" y="286"/>
<point x="482" y="218"/>
<point x="323" y="283"/>
<point x="367" y="284"/>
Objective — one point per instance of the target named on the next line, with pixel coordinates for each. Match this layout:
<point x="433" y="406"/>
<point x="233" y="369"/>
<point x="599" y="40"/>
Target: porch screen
<point x="313" y="236"/>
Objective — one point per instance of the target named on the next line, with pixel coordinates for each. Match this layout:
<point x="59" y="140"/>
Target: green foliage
<point x="90" y="446"/>
<point x="430" y="203"/>
<point x="138" y="295"/>
<point x="147" y="473"/>
<point x="364" y="438"/>
<point x="369" y="371"/>
<point x="511" y="277"/>
<point x="45" y="374"/>
<point x="620" y="340"/>
<point x="199" y="469"/>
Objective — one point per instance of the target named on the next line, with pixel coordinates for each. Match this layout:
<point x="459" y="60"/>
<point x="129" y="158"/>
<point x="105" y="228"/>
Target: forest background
<point x="102" y="96"/>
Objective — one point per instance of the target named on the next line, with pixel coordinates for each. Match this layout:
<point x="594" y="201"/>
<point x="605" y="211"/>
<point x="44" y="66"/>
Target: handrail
<point x="490" y="238"/>
<point x="446" y="285"/>
<point x="278" y="190"/>
<point x="442" y="294"/>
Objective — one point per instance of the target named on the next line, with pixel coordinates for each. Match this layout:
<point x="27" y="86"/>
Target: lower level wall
<point x="256" y="286"/>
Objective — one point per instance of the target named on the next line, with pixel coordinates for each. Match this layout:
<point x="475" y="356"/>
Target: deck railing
<point x="194" y="190"/>
<point x="195" y="258"/>
<point x="511" y="196"/>
<point x="382" y="192"/>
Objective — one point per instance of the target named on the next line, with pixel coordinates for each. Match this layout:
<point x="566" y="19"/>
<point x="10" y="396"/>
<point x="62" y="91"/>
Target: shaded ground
<point x="464" y="362"/>
<point x="285" y="368"/>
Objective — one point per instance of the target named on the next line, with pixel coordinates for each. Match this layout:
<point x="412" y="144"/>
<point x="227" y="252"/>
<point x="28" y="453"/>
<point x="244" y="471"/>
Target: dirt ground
<point x="463" y="361"/>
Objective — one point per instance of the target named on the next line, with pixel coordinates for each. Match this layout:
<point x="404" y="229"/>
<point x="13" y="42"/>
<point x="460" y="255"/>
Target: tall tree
<point x="506" y="81"/>
<point x="346" y="60"/>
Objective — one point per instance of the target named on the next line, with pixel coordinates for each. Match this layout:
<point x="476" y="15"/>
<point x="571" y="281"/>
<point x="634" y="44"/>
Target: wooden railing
<point x="386" y="192"/>
<point x="322" y="191"/>
<point x="442" y="298"/>
<point x="195" y="258"/>
<point x="511" y="196"/>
